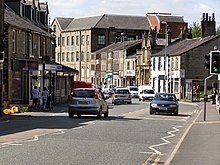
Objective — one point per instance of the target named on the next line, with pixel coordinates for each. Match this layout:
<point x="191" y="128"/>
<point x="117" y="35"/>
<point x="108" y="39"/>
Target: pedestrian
<point x="214" y="93"/>
<point x="35" y="96"/>
<point x="45" y="95"/>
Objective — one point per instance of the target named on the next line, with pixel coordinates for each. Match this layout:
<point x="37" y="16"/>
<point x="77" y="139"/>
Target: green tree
<point x="218" y="30"/>
<point x="196" y="30"/>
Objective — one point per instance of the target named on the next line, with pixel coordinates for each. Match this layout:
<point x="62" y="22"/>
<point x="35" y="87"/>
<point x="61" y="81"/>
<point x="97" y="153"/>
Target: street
<point x="128" y="136"/>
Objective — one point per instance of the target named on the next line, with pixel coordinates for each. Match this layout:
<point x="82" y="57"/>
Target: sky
<point x="191" y="10"/>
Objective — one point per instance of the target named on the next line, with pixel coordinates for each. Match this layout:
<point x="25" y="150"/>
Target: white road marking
<point x="181" y="140"/>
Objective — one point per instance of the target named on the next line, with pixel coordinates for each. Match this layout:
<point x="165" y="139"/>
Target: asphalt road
<point x="128" y="136"/>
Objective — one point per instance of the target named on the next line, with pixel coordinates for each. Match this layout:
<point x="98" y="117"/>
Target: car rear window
<point x="84" y="93"/>
<point x="148" y="91"/>
<point x="122" y="92"/>
<point x="133" y="89"/>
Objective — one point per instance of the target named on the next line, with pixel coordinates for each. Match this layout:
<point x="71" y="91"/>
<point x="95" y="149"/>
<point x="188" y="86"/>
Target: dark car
<point x="88" y="101"/>
<point x="164" y="102"/>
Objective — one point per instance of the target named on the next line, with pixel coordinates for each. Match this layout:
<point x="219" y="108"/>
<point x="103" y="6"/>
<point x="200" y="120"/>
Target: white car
<point x="133" y="91"/>
<point x="146" y="93"/>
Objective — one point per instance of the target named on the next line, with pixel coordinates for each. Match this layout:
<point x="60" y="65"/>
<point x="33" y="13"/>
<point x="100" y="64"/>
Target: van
<point x="145" y="92"/>
<point x="79" y="84"/>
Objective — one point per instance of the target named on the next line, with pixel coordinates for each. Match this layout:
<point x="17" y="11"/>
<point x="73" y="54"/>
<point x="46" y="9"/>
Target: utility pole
<point x="2" y="54"/>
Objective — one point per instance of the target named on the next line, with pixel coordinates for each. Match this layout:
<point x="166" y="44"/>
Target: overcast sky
<point x="191" y="10"/>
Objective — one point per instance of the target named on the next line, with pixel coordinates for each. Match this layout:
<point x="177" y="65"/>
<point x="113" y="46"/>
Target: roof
<point x="119" y="46"/>
<point x="83" y="23"/>
<point x="184" y="46"/>
<point x="15" y="20"/>
<point x="64" y="22"/>
<point x="167" y="17"/>
<point x="106" y="21"/>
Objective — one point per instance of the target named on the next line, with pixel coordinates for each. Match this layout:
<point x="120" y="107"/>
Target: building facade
<point x="77" y="38"/>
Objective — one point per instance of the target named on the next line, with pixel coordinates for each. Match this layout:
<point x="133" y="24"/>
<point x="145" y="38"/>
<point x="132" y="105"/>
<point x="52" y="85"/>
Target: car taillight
<point x="95" y="94"/>
<point x="72" y="94"/>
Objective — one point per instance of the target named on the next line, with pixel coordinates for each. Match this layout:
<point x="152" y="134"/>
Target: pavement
<point x="200" y="145"/>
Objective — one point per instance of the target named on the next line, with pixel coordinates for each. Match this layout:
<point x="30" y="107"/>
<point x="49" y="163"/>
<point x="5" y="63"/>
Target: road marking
<point x="181" y="140"/>
<point x="155" y="157"/>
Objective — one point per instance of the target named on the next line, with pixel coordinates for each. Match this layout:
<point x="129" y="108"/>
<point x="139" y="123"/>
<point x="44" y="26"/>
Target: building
<point x="76" y="39"/>
<point x="29" y="52"/>
<point x="186" y="62"/>
<point x="115" y="64"/>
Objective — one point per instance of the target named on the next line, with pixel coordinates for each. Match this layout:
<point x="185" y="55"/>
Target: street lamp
<point x="165" y="57"/>
<point x="123" y="55"/>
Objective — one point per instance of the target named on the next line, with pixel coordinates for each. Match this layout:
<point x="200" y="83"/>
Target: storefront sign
<point x="53" y="67"/>
<point x="130" y="73"/>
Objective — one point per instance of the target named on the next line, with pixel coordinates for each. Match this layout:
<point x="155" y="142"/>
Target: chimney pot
<point x="207" y="15"/>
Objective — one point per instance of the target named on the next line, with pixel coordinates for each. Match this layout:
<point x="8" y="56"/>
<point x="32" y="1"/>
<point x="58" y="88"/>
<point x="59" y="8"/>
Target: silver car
<point x="121" y="95"/>
<point x="88" y="101"/>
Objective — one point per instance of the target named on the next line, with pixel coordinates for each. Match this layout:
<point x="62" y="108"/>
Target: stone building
<point x="29" y="52"/>
<point x="77" y="38"/>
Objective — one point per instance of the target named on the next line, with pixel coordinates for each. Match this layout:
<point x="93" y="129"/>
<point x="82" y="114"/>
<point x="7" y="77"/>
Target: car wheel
<point x="78" y="115"/>
<point x="151" y="112"/>
<point x="176" y="112"/>
<point x="70" y="115"/>
<point x="99" y="115"/>
<point x="130" y="102"/>
<point x="139" y="99"/>
<point x="106" y="114"/>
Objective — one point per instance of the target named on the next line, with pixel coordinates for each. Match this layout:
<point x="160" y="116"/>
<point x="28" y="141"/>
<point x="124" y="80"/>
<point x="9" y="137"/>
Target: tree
<point x="196" y="30"/>
<point x="218" y="30"/>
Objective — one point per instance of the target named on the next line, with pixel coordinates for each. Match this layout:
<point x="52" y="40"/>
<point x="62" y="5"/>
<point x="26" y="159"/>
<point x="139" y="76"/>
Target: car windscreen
<point x="84" y="93"/>
<point x="133" y="89"/>
<point x="148" y="91"/>
<point x="122" y="92"/>
<point x="165" y="97"/>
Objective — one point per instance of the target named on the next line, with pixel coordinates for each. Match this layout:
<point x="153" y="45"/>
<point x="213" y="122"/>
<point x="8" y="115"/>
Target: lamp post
<point x="123" y="55"/>
<point x="165" y="58"/>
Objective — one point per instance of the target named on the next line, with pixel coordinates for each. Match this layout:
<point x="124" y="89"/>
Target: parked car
<point x="164" y="102"/>
<point x="88" y="101"/>
<point x="133" y="91"/>
<point x="121" y="95"/>
<point x="145" y="92"/>
<point x="109" y="89"/>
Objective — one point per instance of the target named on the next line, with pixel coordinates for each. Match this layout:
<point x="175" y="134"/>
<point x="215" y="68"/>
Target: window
<point x="77" y="40"/>
<point x="101" y="39"/>
<point x="63" y="57"/>
<point x="38" y="46"/>
<point x="67" y="57"/>
<point x="77" y="56"/>
<point x="87" y="39"/>
<point x="30" y="45"/>
<point x="92" y="56"/>
<point x="82" y="57"/>
<point x="154" y="63"/>
<point x="87" y="56"/>
<point x="164" y="63"/>
<point x="83" y="40"/>
<point x="92" y="67"/>
<point x="54" y="28"/>
<point x="72" y="56"/>
<point x="68" y="41"/>
<point x="176" y="63"/>
<point x="159" y="63"/>
<point x="14" y="41"/>
<point x="103" y="67"/>
<point x="58" y="41"/>
<point x="63" y="41"/>
<point x="72" y="40"/>
<point x="58" y="57"/>
<point x="128" y="65"/>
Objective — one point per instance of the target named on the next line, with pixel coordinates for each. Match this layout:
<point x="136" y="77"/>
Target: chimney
<point x="208" y="25"/>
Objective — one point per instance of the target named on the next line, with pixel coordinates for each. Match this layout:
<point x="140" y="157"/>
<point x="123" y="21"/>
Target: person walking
<point x="35" y="96"/>
<point x="45" y="95"/>
<point x="214" y="93"/>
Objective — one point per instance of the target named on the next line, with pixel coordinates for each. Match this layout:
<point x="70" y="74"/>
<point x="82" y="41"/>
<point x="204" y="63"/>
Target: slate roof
<point x="83" y="23"/>
<point x="15" y="20"/>
<point x="106" y="21"/>
<point x="184" y="46"/>
<point x="170" y="18"/>
<point x="119" y="46"/>
<point x="64" y="22"/>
